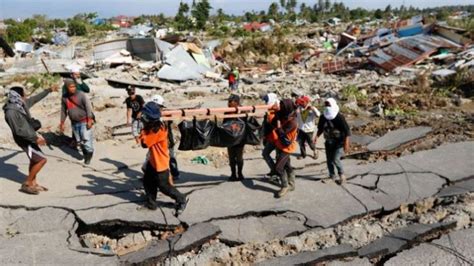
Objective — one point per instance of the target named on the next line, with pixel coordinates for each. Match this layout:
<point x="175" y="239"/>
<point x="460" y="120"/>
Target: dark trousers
<point x="334" y="155"/>
<point x="304" y="138"/>
<point x="174" y="167"/>
<point x="266" y="154"/>
<point x="283" y="167"/>
<point x="153" y="180"/>
<point x="236" y="159"/>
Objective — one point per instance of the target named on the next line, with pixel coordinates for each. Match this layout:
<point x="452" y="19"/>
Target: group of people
<point x="292" y="122"/>
<point x="74" y="103"/>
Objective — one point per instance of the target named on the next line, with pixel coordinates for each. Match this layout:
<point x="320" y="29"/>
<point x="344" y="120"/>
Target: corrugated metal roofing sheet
<point x="407" y="51"/>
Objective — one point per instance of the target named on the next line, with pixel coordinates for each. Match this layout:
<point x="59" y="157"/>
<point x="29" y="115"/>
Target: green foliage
<point x="42" y="80"/>
<point x="77" y="27"/>
<point x="352" y="90"/>
<point x="19" y="32"/>
<point x="201" y="11"/>
<point x="182" y="21"/>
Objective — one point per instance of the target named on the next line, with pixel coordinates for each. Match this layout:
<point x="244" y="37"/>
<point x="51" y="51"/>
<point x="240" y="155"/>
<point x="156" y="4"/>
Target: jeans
<point x="137" y="127"/>
<point x="267" y="150"/>
<point x="303" y="138"/>
<point x="83" y="136"/>
<point x="234" y="86"/>
<point x="283" y="167"/>
<point x="333" y="159"/>
<point x="153" y="180"/>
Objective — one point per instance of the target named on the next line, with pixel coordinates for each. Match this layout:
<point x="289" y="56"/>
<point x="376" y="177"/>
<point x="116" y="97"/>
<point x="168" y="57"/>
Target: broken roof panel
<point x="180" y="66"/>
<point x="408" y="51"/>
<point x="143" y="48"/>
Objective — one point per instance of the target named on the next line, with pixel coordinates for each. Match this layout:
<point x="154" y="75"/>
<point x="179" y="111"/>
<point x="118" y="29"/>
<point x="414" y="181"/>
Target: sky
<point x="109" y="8"/>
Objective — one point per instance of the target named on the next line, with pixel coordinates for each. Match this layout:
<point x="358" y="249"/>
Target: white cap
<point x="74" y="68"/>
<point x="158" y="99"/>
<point x="272" y="99"/>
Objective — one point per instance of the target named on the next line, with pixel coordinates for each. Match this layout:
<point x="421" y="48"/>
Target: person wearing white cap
<point x="174" y="170"/>
<point x="269" y="146"/>
<point x="76" y="76"/>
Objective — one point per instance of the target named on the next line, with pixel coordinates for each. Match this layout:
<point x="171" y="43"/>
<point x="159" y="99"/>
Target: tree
<point x="378" y="14"/>
<point x="200" y="12"/>
<point x="181" y="19"/>
<point x="19" y="32"/>
<point x="320" y="6"/>
<point x="327" y="5"/>
<point x="273" y="11"/>
<point x="77" y="28"/>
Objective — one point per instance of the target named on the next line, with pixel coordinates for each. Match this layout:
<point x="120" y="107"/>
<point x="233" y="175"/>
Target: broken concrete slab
<point x="452" y="249"/>
<point x="313" y="257"/>
<point x="407" y="188"/>
<point x="195" y="236"/>
<point x="362" y="139"/>
<point x="260" y="229"/>
<point x="448" y="161"/>
<point x="351" y="262"/>
<point x="396" y="138"/>
<point x="400" y="239"/>
<point x="458" y="188"/>
<point x="43" y="236"/>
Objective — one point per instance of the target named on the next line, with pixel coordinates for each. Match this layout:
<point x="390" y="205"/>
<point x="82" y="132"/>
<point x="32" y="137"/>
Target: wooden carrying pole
<point x="209" y="113"/>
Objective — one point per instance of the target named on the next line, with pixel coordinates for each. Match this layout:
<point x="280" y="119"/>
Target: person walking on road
<point x="268" y="142"/>
<point x="306" y="115"/>
<point x="336" y="133"/>
<point x="174" y="169"/>
<point x="154" y="136"/>
<point x="235" y="153"/>
<point x="134" y="104"/>
<point x="234" y="78"/>
<point x="77" y="106"/>
<point x="24" y="127"/>
<point x="285" y="134"/>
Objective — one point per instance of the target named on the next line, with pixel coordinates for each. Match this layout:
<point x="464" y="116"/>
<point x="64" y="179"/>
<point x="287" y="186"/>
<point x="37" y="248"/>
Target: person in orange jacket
<point x="154" y="136"/>
<point x="269" y="146"/>
<point x="285" y="135"/>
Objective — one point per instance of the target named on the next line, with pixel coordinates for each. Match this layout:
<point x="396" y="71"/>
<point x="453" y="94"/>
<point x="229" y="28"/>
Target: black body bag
<point x="230" y="133"/>
<point x="195" y="135"/>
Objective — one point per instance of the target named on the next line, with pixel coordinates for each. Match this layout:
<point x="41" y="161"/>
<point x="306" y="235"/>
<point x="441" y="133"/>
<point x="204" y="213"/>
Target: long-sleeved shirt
<point x="77" y="107"/>
<point x="19" y="123"/>
<point x="335" y="130"/>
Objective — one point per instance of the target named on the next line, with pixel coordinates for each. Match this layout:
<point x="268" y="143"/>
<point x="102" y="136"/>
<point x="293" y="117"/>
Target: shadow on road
<point x="11" y="171"/>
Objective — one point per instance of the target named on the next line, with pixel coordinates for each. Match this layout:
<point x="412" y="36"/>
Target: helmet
<point x="158" y="99"/>
<point x="151" y="112"/>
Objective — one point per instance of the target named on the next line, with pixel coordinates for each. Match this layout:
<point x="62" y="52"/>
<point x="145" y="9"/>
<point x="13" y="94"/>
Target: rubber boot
<point x="291" y="181"/>
<point x="233" y="175"/>
<point x="240" y="168"/>
<point x="285" y="187"/>
<point x="88" y="157"/>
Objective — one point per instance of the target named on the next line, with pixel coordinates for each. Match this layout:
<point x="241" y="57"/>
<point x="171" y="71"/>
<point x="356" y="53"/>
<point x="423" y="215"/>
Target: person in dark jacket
<point x="77" y="106"/>
<point x="336" y="133"/>
<point x="235" y="153"/>
<point x="24" y="127"/>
